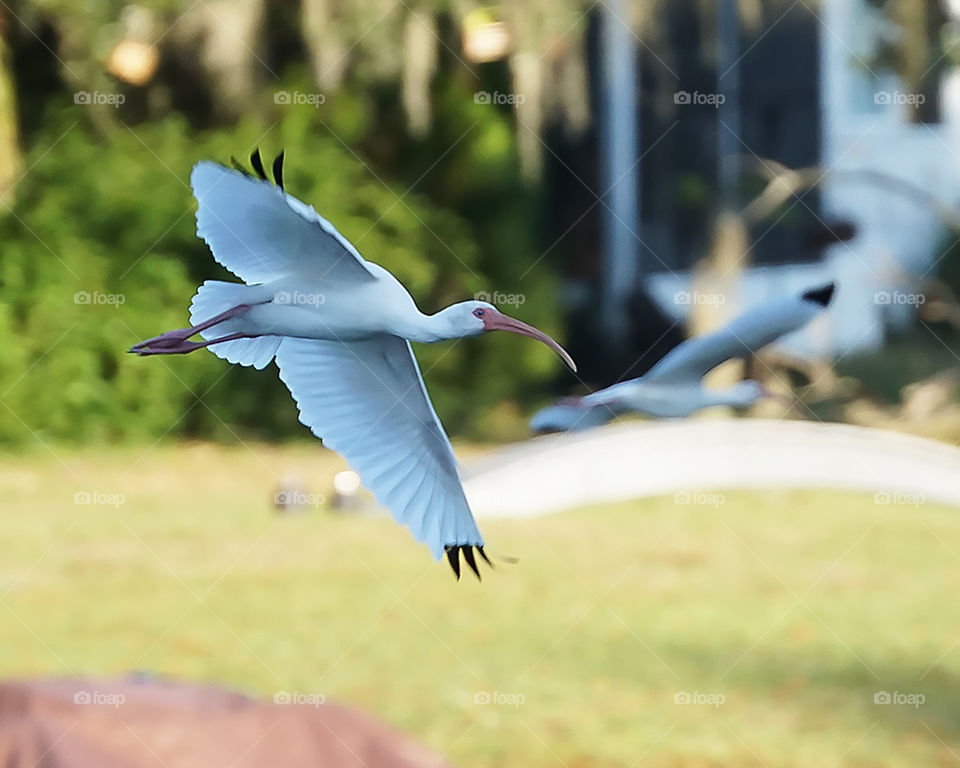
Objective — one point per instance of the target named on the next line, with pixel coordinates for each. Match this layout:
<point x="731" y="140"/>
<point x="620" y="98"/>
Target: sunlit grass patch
<point x="761" y="630"/>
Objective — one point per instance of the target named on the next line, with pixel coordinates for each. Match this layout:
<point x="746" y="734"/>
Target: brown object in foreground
<point x="141" y="723"/>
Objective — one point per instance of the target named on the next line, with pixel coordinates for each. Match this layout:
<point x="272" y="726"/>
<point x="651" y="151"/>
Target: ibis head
<point x="494" y="320"/>
<point x="471" y="318"/>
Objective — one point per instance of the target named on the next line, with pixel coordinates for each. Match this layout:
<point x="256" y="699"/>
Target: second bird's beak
<point x="497" y="321"/>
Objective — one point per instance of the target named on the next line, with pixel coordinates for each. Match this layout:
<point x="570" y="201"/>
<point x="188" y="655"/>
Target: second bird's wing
<point x="260" y="233"/>
<point x="755" y="328"/>
<point x="366" y="400"/>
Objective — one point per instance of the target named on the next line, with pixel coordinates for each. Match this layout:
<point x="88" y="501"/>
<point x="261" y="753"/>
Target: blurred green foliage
<point x="99" y="251"/>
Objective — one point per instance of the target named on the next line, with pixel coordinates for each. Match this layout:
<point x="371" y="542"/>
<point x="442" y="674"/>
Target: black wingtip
<point x="822" y="296"/>
<point x="257" y="164"/>
<point x="468" y="556"/>
<point x="453" y="557"/>
<point x="278" y="169"/>
<point x="238" y="167"/>
<point x="484" y="556"/>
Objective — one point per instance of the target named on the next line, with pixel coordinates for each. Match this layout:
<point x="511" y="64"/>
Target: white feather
<point x="693" y="359"/>
<point x="262" y="234"/>
<point x="366" y="400"/>
<point x="214" y="297"/>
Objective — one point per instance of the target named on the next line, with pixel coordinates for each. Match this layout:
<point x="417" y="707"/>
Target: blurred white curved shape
<point x="642" y="459"/>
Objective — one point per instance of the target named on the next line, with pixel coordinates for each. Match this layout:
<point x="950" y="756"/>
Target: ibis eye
<point x="478" y="312"/>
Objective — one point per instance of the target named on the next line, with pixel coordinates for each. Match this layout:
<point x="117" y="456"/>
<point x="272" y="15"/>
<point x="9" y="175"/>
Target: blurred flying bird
<point x="339" y="328"/>
<point x="674" y="386"/>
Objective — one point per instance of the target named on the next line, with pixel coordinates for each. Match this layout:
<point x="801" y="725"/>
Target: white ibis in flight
<point x="674" y="386"/>
<point x="339" y="328"/>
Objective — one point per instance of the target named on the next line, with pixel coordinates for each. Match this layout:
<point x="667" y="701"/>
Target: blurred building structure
<point x="678" y="130"/>
<point x="872" y="120"/>
<point x="819" y="89"/>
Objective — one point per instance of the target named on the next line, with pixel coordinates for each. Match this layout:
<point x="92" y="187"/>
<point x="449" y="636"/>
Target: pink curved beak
<point x="497" y="321"/>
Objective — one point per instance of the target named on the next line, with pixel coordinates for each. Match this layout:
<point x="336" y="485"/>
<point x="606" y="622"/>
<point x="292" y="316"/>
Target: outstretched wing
<point x="260" y="233"/>
<point x="755" y="328"/>
<point x="367" y="401"/>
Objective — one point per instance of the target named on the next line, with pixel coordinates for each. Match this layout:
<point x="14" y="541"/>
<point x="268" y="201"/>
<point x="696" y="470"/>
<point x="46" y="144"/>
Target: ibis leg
<point x="176" y="342"/>
<point x="174" y="346"/>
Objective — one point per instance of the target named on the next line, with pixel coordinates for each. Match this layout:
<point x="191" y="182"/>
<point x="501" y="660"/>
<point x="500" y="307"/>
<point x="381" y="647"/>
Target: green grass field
<point x="780" y="615"/>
